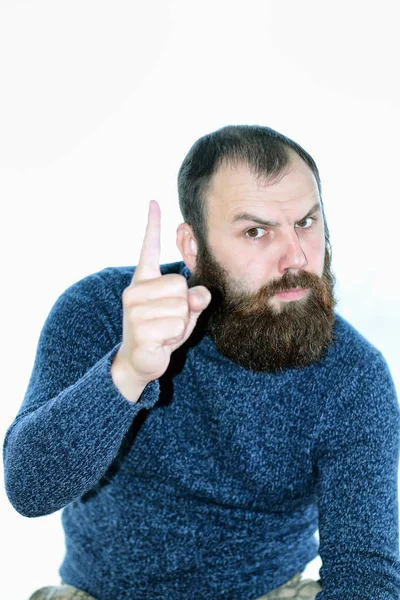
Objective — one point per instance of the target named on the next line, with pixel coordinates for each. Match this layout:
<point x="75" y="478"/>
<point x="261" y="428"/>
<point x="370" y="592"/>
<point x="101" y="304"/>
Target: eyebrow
<point x="248" y="217"/>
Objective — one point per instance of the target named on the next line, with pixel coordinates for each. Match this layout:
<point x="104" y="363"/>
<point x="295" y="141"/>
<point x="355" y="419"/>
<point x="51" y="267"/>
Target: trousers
<point x="295" y="589"/>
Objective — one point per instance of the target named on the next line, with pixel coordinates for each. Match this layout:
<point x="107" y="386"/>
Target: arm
<point x="73" y="418"/>
<point x="356" y="460"/>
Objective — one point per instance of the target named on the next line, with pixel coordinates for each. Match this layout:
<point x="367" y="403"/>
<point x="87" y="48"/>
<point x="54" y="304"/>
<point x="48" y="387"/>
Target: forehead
<point x="234" y="188"/>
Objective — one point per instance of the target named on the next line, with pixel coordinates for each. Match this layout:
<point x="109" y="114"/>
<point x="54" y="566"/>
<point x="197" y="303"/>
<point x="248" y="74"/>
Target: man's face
<point x="264" y="239"/>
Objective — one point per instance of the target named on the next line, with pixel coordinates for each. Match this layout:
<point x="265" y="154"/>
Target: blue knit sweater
<point x="214" y="483"/>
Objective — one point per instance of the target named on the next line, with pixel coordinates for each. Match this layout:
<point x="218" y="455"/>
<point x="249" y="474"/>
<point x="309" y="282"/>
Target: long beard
<point x="251" y="332"/>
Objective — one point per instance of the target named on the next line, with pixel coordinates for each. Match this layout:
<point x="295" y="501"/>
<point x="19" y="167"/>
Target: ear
<point x="187" y="245"/>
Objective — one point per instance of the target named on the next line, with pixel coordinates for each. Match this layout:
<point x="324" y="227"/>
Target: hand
<point x="160" y="312"/>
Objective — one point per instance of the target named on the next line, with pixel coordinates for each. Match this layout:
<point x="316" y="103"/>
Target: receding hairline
<point x="234" y="162"/>
<point x="265" y="179"/>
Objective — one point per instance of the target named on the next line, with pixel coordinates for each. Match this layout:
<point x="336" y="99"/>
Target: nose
<point x="292" y="256"/>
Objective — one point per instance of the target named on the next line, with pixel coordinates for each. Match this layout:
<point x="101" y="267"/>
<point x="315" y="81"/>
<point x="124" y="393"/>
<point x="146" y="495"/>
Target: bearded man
<point x="198" y="433"/>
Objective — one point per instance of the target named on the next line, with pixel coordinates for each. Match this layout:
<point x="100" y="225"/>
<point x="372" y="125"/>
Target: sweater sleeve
<point x="73" y="419"/>
<point x="356" y="461"/>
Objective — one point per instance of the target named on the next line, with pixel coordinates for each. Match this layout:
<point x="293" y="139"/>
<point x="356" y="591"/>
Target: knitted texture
<point x="214" y="483"/>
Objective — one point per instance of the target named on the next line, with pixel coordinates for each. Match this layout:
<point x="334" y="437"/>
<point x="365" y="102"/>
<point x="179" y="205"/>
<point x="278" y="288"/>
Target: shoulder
<point x="359" y="368"/>
<point x="360" y="400"/>
<point x="350" y="348"/>
<point x="352" y="366"/>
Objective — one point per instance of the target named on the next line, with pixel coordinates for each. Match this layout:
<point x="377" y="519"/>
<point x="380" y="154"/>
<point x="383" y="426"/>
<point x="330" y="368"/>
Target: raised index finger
<point x="149" y="261"/>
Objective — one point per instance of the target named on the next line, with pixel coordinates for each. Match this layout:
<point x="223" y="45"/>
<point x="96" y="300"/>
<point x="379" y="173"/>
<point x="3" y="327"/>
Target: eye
<point x="311" y="219"/>
<point x="254" y="237"/>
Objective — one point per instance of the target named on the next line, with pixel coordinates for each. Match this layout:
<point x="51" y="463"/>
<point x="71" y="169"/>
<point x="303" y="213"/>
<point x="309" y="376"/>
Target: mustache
<point x="288" y="281"/>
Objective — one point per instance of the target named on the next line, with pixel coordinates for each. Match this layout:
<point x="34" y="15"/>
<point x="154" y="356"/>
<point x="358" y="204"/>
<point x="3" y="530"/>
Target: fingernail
<point x="200" y="297"/>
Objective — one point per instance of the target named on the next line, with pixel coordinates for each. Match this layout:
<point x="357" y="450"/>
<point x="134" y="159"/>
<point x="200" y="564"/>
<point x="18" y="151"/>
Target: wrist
<point x="126" y="380"/>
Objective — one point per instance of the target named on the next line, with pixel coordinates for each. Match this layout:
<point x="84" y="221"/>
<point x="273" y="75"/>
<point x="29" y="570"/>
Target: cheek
<point x="248" y="273"/>
<point x="315" y="254"/>
<point x="256" y="273"/>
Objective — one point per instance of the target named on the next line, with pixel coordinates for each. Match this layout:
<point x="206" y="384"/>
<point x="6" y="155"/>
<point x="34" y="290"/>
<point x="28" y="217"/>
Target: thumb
<point x="199" y="298"/>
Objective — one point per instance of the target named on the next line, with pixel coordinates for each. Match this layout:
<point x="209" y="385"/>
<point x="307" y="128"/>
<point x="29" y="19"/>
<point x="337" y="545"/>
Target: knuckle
<point x="178" y="284"/>
<point x="134" y="313"/>
<point x="181" y="305"/>
<point x="140" y="334"/>
<point x="179" y="327"/>
<point x="127" y="295"/>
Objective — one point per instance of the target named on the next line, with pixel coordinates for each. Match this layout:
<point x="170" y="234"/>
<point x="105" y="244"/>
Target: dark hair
<point x="262" y="149"/>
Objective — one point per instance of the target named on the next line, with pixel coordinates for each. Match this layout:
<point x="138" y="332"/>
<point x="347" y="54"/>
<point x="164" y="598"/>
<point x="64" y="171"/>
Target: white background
<point x="99" y="103"/>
